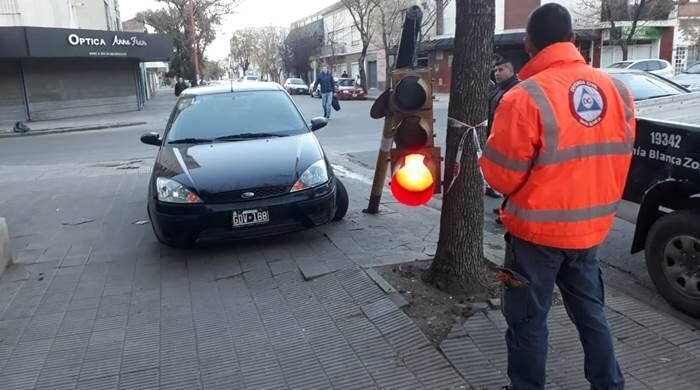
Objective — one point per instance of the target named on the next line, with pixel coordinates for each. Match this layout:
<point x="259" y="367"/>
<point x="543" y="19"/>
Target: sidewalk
<point x="160" y="103"/>
<point x="93" y="302"/>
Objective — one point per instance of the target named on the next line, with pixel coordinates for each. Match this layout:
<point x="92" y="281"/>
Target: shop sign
<point x="642" y="33"/>
<point x="76" y="40"/>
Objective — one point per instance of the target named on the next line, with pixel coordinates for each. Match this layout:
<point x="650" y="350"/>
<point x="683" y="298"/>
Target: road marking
<point x="344" y="172"/>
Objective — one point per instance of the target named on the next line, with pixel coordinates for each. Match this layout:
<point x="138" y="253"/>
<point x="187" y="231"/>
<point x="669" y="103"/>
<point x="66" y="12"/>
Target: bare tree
<point x="173" y="19"/>
<point x="634" y="13"/>
<point x="336" y="37"/>
<point x="266" y="52"/>
<point x="243" y="43"/>
<point x="361" y="13"/>
<point x="459" y="263"/>
<point x="389" y="16"/>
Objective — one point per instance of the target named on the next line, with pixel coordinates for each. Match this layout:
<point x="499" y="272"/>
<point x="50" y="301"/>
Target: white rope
<point x="457" y="169"/>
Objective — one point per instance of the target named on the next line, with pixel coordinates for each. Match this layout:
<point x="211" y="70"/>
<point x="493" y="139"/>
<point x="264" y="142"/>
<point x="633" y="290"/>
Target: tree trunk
<point x="459" y="264"/>
<point x="361" y="63"/>
<point x="625" y="50"/>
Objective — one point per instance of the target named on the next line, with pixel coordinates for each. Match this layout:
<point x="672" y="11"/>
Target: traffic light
<point x="415" y="162"/>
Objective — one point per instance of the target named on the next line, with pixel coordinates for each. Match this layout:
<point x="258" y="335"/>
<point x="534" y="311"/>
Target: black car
<point x="239" y="161"/>
<point x="645" y="85"/>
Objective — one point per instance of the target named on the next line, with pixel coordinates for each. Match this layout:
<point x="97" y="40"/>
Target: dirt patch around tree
<point x="434" y="311"/>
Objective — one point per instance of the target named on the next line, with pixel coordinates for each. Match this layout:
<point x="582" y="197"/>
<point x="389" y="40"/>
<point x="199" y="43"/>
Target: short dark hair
<point x="549" y="24"/>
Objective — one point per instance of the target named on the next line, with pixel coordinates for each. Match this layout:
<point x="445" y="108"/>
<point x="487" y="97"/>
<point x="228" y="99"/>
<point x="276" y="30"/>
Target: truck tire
<point x="673" y="259"/>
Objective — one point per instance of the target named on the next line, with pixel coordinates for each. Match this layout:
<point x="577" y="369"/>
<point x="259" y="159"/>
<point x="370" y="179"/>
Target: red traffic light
<point x="413" y="181"/>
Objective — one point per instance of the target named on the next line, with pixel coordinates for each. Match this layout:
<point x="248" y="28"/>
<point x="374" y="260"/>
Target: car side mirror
<point x="152" y="138"/>
<point x="318" y="123"/>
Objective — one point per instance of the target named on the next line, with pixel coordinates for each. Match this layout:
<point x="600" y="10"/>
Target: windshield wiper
<point x="244" y="136"/>
<point x="190" y="141"/>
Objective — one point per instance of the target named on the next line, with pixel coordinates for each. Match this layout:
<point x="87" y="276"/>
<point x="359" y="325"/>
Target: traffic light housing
<point x="415" y="162"/>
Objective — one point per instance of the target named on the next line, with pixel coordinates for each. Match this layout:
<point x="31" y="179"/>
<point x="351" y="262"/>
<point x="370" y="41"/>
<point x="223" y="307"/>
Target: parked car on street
<point x="659" y="67"/>
<point x="239" y="162"/>
<point x="644" y="85"/>
<point x="348" y="89"/>
<point x="689" y="78"/>
<point x="296" y="86"/>
<point x="251" y="78"/>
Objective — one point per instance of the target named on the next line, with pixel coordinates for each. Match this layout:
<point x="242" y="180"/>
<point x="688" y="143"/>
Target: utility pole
<point x="195" y="48"/>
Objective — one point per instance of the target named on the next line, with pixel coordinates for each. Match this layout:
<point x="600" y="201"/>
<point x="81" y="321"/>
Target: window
<point x="449" y="60"/>
<point x="695" y="69"/>
<point x="8" y="7"/>
<point x="354" y="36"/>
<point x="212" y="116"/>
<point x="647" y="86"/>
<point x="643" y="65"/>
<point x="680" y="59"/>
<point x="439" y="55"/>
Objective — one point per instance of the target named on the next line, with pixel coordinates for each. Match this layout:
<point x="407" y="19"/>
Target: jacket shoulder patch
<point x="588" y="103"/>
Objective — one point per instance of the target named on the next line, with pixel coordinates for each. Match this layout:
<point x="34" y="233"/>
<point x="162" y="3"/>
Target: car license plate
<point x="250" y="217"/>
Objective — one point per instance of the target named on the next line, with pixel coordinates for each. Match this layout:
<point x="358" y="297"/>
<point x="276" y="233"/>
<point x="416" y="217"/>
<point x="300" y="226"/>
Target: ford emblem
<point x="247" y="195"/>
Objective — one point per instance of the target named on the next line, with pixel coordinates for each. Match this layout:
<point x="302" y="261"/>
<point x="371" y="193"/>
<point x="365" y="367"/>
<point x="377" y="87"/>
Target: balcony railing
<point x="334" y="50"/>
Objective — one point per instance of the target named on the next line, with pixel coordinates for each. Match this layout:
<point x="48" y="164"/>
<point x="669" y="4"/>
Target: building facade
<point x="81" y="14"/>
<point x="67" y="58"/>
<point x="653" y="38"/>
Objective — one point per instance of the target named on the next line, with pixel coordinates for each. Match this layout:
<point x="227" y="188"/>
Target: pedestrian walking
<point x="345" y="74"/>
<point x="325" y="80"/>
<point x="560" y="149"/>
<point x="180" y="86"/>
<point x="505" y="79"/>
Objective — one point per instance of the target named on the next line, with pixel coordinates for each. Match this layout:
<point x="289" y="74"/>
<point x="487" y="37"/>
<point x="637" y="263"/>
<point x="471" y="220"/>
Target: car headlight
<point x="314" y="176"/>
<point x="173" y="192"/>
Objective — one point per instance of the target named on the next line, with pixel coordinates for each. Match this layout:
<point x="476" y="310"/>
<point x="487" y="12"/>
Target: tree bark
<point x="363" y="74"/>
<point x="459" y="264"/>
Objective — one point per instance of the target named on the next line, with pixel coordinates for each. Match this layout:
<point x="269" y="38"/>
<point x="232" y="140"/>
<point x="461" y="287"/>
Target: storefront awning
<point x="39" y="42"/>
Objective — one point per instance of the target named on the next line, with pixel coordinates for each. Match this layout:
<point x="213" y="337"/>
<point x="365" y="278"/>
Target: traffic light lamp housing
<point x="412" y="90"/>
<point x="415" y="175"/>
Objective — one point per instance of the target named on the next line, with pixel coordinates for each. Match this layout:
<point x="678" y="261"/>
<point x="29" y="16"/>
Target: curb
<point x="60" y="130"/>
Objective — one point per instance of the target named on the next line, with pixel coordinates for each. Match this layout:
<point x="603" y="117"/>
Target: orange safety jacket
<point x="560" y="150"/>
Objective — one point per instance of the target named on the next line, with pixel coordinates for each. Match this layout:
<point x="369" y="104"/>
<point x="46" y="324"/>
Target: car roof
<point x="232" y="87"/>
<point x="626" y="71"/>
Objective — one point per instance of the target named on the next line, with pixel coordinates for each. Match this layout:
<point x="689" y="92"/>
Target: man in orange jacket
<point x="560" y="150"/>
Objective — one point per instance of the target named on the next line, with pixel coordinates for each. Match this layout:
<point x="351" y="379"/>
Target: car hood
<point x="241" y="165"/>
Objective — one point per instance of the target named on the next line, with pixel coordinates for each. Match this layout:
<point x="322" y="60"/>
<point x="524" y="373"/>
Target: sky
<point x="249" y="13"/>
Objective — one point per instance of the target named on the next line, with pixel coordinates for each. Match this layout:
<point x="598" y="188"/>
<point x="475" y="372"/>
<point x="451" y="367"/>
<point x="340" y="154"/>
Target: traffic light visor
<point x="410" y="94"/>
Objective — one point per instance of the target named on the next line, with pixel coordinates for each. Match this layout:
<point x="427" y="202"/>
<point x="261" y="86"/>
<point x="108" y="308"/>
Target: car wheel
<point x="341" y="200"/>
<point x="673" y="260"/>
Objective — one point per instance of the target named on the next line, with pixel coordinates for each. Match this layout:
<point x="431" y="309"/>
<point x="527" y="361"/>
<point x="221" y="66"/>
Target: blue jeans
<point x="326" y="100"/>
<point x="525" y="308"/>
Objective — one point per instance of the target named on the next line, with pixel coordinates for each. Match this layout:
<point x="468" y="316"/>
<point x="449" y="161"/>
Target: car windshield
<point x="241" y="115"/>
<point x="621" y="65"/>
<point x="645" y="86"/>
<point x="695" y="69"/>
<point x="296" y="81"/>
<point x="346" y="82"/>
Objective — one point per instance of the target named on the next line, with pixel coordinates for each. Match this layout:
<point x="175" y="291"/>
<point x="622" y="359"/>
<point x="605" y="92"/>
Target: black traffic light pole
<point x="405" y="58"/>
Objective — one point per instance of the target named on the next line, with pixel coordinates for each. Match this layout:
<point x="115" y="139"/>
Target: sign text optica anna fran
<point x="75" y="40"/>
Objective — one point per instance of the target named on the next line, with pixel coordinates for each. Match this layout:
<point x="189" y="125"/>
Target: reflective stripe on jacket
<point x="560" y="149"/>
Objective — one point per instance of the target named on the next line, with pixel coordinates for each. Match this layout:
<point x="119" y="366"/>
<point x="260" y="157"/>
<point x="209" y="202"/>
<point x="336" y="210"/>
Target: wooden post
<point x="380" y="170"/>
